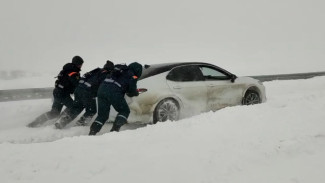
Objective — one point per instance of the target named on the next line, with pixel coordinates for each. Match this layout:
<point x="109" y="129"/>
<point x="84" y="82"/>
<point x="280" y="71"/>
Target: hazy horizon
<point x="43" y="35"/>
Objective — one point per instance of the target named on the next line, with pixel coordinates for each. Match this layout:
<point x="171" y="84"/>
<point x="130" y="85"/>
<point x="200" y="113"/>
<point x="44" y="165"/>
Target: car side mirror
<point x="233" y="78"/>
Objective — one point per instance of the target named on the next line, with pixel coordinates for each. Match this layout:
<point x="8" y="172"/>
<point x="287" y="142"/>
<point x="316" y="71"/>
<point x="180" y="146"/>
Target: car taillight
<point x="142" y="90"/>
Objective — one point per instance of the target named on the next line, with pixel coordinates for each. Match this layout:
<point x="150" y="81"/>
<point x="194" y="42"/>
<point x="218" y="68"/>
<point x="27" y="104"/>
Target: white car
<point x="178" y="90"/>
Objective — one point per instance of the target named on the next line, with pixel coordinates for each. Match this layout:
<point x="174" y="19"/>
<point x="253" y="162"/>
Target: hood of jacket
<point x="136" y="68"/>
<point x="71" y="67"/>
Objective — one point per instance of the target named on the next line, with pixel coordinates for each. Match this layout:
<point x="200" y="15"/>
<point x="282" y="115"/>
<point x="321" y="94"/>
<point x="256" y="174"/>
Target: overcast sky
<point x="45" y="34"/>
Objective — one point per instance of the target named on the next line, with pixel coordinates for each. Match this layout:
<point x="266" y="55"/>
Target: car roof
<point x="154" y="69"/>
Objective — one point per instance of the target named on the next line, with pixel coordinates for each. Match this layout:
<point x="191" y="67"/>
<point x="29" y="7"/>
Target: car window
<point x="212" y="74"/>
<point x="151" y="70"/>
<point x="185" y="74"/>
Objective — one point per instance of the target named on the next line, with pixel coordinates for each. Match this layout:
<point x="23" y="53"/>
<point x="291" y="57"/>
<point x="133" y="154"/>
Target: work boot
<point x="62" y="122"/>
<point x="95" y="128"/>
<point x="115" y="128"/>
<point x="92" y="133"/>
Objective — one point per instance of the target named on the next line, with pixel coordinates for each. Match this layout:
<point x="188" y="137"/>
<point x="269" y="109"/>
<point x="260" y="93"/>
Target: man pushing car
<point x="111" y="92"/>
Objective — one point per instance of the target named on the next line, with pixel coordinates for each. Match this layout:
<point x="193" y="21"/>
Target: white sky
<point x="43" y="35"/>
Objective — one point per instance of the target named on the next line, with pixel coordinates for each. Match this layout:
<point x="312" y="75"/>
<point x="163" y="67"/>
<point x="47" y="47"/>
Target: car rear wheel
<point x="167" y="109"/>
<point x="251" y="97"/>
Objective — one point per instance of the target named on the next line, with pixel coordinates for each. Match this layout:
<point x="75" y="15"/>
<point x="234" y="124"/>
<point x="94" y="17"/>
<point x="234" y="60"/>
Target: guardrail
<point x="41" y="93"/>
<point x="264" y="78"/>
<point x="25" y="94"/>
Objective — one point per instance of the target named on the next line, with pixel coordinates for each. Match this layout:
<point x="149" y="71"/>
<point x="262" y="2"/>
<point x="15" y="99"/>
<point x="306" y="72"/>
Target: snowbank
<point x="282" y="140"/>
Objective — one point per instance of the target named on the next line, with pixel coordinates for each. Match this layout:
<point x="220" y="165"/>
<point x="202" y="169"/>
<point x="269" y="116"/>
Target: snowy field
<point x="280" y="141"/>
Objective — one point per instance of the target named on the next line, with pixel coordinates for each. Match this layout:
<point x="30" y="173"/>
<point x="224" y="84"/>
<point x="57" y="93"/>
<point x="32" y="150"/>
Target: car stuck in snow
<point x="172" y="91"/>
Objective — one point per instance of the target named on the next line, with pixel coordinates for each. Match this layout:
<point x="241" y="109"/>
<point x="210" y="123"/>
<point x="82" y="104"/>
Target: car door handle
<point x="211" y="85"/>
<point x="177" y="87"/>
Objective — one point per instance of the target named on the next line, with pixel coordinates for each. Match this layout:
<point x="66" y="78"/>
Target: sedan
<point x="173" y="91"/>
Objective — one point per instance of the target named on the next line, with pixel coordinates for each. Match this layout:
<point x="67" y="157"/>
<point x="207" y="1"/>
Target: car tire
<point x="251" y="97"/>
<point x="167" y="109"/>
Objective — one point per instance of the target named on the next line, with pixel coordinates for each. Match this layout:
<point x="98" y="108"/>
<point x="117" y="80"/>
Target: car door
<point x="221" y="91"/>
<point x="187" y="83"/>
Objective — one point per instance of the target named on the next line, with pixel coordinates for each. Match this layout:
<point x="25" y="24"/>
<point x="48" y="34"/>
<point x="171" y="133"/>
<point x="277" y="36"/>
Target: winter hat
<point x="109" y="66"/>
<point x="136" y="68"/>
<point x="77" y="60"/>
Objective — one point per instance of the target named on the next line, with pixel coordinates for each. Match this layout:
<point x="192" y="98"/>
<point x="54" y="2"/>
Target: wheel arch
<point x="252" y="87"/>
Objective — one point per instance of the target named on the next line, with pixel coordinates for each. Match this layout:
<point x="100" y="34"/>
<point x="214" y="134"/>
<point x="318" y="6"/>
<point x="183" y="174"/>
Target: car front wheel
<point x="251" y="97"/>
<point x="167" y="109"/>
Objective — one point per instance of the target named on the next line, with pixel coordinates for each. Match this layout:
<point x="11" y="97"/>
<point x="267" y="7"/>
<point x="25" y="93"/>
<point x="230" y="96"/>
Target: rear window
<point x="152" y="70"/>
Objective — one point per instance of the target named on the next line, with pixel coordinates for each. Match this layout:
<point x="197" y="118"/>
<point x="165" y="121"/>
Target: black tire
<point x="167" y="109"/>
<point x="251" y="97"/>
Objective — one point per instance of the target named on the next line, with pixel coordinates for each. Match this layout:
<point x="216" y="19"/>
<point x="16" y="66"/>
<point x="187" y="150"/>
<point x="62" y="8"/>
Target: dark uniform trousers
<point x="61" y="99"/>
<point x="109" y="95"/>
<point x="84" y="99"/>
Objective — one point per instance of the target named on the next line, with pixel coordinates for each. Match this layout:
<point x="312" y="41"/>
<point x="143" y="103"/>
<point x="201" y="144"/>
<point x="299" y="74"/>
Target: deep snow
<point x="282" y="140"/>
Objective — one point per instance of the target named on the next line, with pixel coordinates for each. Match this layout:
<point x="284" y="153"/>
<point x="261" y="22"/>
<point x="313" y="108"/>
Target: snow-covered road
<point x="282" y="141"/>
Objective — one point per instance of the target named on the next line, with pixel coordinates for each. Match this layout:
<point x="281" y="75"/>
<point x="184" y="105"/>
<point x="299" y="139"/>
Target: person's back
<point x="68" y="78"/>
<point x="92" y="79"/>
<point x="126" y="80"/>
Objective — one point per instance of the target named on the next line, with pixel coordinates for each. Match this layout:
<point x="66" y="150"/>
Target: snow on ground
<point x="282" y="141"/>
